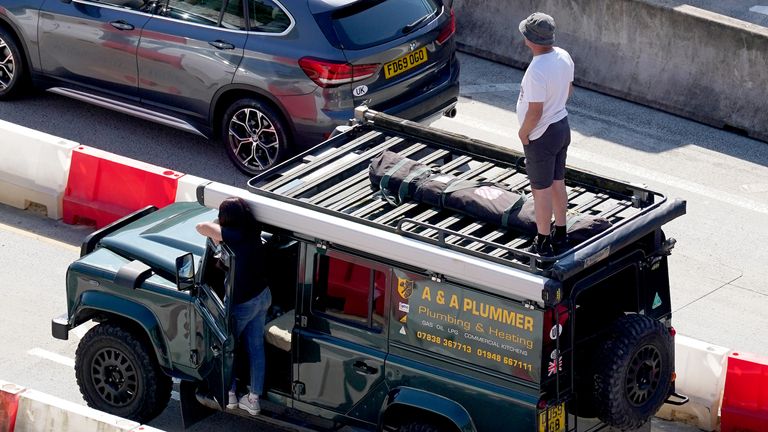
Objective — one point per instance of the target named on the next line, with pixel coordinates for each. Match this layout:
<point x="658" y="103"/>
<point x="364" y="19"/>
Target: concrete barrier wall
<point x="661" y="53"/>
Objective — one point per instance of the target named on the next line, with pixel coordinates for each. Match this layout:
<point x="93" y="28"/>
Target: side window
<point x="349" y="291"/>
<point x="207" y="12"/>
<point x="137" y="5"/>
<point x="267" y="17"/>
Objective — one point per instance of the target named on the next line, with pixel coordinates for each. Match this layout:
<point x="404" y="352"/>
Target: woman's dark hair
<point x="234" y="212"/>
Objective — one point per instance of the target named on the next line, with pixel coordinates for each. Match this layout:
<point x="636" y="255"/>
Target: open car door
<point x="213" y="345"/>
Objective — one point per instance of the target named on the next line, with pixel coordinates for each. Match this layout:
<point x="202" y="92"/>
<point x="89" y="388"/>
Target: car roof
<point x="320" y="6"/>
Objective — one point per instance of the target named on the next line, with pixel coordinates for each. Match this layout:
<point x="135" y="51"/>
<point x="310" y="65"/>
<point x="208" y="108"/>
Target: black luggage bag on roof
<point x="401" y="179"/>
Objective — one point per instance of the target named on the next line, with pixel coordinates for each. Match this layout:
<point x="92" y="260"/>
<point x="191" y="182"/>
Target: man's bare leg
<point x="559" y="202"/>
<point x="542" y="207"/>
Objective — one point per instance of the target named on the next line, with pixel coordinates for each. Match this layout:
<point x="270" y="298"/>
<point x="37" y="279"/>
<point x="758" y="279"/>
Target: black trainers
<point x="545" y="250"/>
<point x="558" y="244"/>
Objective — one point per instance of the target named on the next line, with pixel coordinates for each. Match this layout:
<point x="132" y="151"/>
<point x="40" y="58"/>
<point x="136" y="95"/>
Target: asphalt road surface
<point x="717" y="270"/>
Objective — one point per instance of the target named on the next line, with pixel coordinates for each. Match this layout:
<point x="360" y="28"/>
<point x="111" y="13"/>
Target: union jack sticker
<point x="555" y="366"/>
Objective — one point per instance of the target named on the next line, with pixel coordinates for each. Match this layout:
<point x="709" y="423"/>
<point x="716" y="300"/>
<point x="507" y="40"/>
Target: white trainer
<point x="250" y="403"/>
<point x="232" y="402"/>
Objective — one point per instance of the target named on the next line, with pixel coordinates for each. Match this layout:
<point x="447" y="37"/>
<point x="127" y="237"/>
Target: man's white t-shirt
<point x="547" y="80"/>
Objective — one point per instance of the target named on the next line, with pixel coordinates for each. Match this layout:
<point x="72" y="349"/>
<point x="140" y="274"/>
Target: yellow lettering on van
<point x="426" y="295"/>
<point x="454" y="302"/>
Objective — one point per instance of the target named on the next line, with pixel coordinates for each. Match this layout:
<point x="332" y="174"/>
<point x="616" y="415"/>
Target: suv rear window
<point x="371" y="23"/>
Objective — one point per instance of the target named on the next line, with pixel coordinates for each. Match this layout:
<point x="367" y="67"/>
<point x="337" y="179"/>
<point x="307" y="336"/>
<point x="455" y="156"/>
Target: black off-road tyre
<point x="419" y="427"/>
<point x="633" y="372"/>
<point x="255" y="135"/>
<point x="13" y="71"/>
<point x="117" y="373"/>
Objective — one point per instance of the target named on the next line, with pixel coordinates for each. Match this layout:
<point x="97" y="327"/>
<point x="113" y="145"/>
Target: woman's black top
<point x="250" y="272"/>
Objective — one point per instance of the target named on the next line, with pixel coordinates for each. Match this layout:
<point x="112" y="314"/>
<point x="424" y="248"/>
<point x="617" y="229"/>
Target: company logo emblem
<point x="412" y="46"/>
<point x="404" y="287"/>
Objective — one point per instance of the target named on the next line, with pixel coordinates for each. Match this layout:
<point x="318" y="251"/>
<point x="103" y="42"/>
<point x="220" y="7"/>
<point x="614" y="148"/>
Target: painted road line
<point x="66" y="361"/>
<point x="28" y="234"/>
<point x="52" y="356"/>
<point x="636" y="171"/>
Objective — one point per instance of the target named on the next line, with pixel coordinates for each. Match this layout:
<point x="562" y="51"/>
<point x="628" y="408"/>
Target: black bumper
<point x="60" y="327"/>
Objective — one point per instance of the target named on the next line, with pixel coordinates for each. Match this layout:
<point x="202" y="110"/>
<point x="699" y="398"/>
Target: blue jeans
<point x="249" y="320"/>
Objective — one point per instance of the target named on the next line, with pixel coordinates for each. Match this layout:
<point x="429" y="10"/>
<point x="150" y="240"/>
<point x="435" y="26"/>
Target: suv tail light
<point x="327" y="73"/>
<point x="448" y="30"/>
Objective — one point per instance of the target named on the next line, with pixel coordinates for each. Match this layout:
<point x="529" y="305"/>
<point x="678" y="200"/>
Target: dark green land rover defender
<point x="387" y="314"/>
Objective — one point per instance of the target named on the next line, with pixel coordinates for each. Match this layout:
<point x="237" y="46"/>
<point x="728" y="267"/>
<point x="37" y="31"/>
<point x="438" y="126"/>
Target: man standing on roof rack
<point x="544" y="129"/>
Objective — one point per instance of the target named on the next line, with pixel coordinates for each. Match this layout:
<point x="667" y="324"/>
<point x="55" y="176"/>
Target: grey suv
<point x="265" y="77"/>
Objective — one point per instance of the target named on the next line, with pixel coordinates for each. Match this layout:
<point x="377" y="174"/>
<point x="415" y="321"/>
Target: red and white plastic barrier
<point x="9" y="405"/>
<point x="700" y="369"/>
<point x="33" y="168"/>
<point x="26" y="410"/>
<point x="745" y="398"/>
<point x="103" y="187"/>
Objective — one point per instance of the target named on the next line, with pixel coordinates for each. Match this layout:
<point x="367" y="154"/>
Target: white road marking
<point x="659" y="177"/>
<point x="52" y="356"/>
<point x="66" y="361"/>
<point x="626" y="168"/>
<point x="28" y="234"/>
<point x="759" y="9"/>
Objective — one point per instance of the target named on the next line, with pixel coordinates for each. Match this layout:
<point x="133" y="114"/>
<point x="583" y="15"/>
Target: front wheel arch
<point x="228" y="95"/>
<point x="101" y="306"/>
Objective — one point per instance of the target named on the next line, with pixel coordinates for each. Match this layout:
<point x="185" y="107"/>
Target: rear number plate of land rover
<point x="553" y="419"/>
<point x="406" y="62"/>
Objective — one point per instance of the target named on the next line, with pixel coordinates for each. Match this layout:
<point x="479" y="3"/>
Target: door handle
<point x="121" y="25"/>
<point x="220" y="44"/>
<point x="362" y="367"/>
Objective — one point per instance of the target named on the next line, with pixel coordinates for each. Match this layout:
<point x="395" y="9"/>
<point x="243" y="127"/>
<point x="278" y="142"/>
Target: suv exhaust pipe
<point x="451" y="113"/>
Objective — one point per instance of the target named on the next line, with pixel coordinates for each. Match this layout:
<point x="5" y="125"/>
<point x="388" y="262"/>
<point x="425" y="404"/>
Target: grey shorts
<point x="545" y="156"/>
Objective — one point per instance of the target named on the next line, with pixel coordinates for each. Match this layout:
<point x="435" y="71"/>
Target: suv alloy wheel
<point x="12" y="73"/>
<point x="254" y="135"/>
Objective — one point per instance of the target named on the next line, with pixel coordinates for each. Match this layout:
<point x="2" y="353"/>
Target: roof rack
<point x="332" y="177"/>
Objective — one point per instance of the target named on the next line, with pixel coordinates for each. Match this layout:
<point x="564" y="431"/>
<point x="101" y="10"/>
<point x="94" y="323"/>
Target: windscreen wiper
<point x="412" y="26"/>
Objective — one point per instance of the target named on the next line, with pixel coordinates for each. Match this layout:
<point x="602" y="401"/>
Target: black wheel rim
<point x="643" y="375"/>
<point x="253" y="139"/>
<point x="7" y="65"/>
<point x="115" y="377"/>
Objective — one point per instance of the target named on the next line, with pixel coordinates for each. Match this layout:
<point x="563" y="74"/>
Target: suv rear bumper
<point x="431" y="104"/>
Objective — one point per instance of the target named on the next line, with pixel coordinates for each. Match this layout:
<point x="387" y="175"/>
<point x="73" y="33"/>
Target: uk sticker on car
<point x="406" y="62"/>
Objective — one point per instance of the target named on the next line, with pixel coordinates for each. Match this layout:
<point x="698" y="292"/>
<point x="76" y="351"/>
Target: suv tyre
<point x="12" y="70"/>
<point x="255" y="135"/>
<point x="116" y="373"/>
<point x="634" y="371"/>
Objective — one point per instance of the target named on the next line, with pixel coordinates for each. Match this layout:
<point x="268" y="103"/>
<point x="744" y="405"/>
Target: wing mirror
<point x="185" y="272"/>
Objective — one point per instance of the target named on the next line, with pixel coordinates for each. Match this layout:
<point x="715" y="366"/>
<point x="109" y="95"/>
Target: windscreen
<point x="371" y="23"/>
